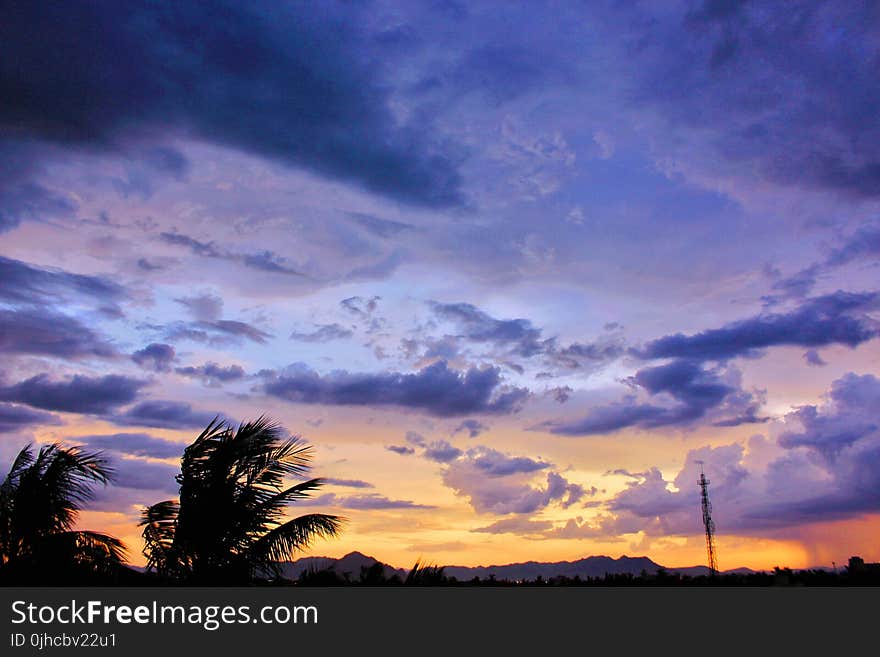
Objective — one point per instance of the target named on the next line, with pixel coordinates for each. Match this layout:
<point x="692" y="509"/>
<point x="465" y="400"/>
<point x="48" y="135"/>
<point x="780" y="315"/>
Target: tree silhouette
<point x="40" y="501"/>
<point x="229" y="525"/>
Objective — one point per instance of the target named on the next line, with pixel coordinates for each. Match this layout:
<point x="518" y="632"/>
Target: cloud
<point x="382" y="228"/>
<point x="23" y="198"/>
<point x="138" y="474"/>
<point x="436" y="389"/>
<point x="163" y="414"/>
<point x="218" y="333"/>
<point x="849" y="417"/>
<point x="268" y="261"/>
<point x="403" y="450"/>
<point x="134" y="444"/>
<point x="204" y="307"/>
<point x="823" y="467"/>
<point x="155" y="356"/>
<point x="499" y="483"/>
<point x="477" y="326"/>
<point x="473" y="428"/>
<point x="360" y="306"/>
<point x="213" y="372"/>
<point x="516" y="525"/>
<point x="819" y="321"/>
<point x="441" y="451"/>
<point x="371" y="501"/>
<point x="812" y="357"/>
<point x="44" y="332"/>
<point x="744" y="85"/>
<point x="349" y="483"/>
<point x="79" y="394"/>
<point x="496" y="464"/>
<point x="863" y="244"/>
<point x="288" y="84"/>
<point x="697" y="391"/>
<point x="323" y="333"/>
<point x="14" y="417"/>
<point x="24" y="283"/>
<point x="415" y="438"/>
<point x="502" y="495"/>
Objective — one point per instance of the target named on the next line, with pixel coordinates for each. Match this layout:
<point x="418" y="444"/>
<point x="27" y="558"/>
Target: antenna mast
<point x="708" y="523"/>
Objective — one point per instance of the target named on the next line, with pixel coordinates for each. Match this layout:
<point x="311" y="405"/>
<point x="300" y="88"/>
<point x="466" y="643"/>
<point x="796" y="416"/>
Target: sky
<point x="517" y="272"/>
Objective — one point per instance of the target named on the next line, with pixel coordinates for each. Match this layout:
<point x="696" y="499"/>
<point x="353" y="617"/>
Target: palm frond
<point x="159" y="523"/>
<point x="280" y="543"/>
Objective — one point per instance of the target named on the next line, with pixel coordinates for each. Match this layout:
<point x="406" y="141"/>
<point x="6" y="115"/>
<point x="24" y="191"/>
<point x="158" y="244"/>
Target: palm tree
<point x="229" y="523"/>
<point x="40" y="501"/>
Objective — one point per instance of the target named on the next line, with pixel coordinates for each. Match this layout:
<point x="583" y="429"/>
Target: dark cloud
<point x="477" y="326"/>
<point x="848" y="418"/>
<point x="23" y="283"/>
<point x="697" y="391"/>
<point x="372" y="501"/>
<point x="134" y="444"/>
<point x="495" y="464"/>
<point x="436" y="389"/>
<point x="136" y="473"/>
<point x="519" y="337"/>
<point x="79" y="394"/>
<point x="43" y="332"/>
<point x="163" y="414"/>
<point x="213" y="372"/>
<point x="323" y="333"/>
<point x="820" y="321"/>
<point x="473" y="428"/>
<point x="826" y="471"/>
<point x="348" y="483"/>
<point x="318" y="104"/>
<point x="754" y="81"/>
<point x="155" y="356"/>
<point x="441" y="451"/>
<point x="403" y="450"/>
<point x="22" y="198"/>
<point x="14" y="417"/>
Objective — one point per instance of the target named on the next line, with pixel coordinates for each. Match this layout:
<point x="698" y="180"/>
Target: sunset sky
<point x="513" y="271"/>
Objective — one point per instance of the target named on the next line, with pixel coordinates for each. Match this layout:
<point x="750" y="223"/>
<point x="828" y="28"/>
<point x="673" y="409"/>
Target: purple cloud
<point x="78" y="394"/>
<point x="436" y="389"/>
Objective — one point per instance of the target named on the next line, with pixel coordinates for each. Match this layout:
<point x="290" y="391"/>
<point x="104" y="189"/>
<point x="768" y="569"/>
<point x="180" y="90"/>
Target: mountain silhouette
<point x="351" y="565"/>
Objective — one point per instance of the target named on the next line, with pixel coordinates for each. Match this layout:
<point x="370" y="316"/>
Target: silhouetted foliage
<point x="425" y="575"/>
<point x="228" y="526"/>
<point x="40" y="501"/>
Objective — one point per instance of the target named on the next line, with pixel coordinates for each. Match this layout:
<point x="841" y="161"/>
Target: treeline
<point x="434" y="576"/>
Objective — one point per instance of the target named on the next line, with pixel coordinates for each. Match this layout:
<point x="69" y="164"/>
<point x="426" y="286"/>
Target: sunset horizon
<point x="517" y="274"/>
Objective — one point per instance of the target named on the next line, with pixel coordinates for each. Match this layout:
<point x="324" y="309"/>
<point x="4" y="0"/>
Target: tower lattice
<point x="708" y="523"/>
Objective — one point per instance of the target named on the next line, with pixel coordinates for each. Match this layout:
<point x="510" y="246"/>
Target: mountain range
<point x="352" y="564"/>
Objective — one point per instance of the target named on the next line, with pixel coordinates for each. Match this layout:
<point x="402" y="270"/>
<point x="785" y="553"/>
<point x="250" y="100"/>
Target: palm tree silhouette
<point x="40" y="501"/>
<point x="228" y="526"/>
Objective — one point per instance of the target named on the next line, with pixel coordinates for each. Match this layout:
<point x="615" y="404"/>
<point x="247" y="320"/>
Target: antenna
<point x="708" y="523"/>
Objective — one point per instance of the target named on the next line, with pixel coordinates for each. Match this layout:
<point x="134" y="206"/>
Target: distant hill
<point x="348" y="567"/>
<point x="351" y="565"/>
